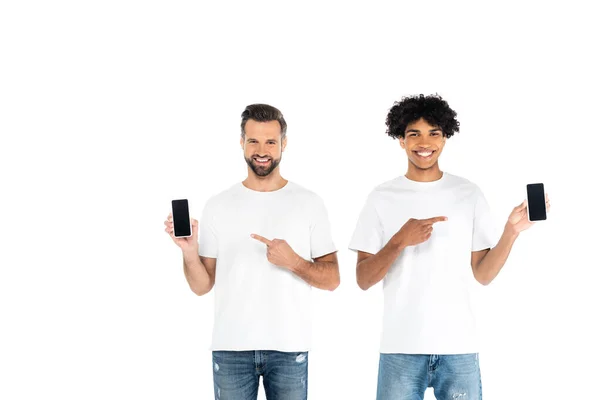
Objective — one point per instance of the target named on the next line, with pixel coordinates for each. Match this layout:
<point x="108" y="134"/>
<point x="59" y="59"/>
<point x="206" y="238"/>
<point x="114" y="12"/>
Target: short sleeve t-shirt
<point x="427" y="296"/>
<point x="260" y="306"/>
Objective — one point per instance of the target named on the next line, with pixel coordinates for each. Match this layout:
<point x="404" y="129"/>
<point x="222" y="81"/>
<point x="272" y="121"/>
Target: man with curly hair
<point x="429" y="235"/>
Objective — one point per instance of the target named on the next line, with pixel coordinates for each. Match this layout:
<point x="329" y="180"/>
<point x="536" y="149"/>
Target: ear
<point x="402" y="144"/>
<point x="242" y="142"/>
<point x="284" y="144"/>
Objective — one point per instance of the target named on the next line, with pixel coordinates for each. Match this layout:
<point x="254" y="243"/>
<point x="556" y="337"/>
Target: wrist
<point x="510" y="231"/>
<point x="398" y="242"/>
<point x="191" y="253"/>
<point x="297" y="265"/>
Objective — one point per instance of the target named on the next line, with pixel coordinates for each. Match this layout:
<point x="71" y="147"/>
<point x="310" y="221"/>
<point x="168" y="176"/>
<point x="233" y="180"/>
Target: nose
<point x="424" y="142"/>
<point x="262" y="148"/>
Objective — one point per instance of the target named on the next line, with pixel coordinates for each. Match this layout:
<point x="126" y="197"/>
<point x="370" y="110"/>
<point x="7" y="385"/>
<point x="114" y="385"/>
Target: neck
<point x="424" y="175"/>
<point x="273" y="181"/>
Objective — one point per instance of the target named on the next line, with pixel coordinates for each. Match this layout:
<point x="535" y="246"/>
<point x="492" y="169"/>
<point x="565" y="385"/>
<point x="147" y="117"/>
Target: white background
<point x="108" y="110"/>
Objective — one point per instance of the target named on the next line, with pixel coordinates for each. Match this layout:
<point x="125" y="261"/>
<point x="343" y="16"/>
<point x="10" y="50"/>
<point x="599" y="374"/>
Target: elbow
<point x="332" y="283"/>
<point x="481" y="276"/>
<point x="362" y="284"/>
<point x="201" y="290"/>
<point x="335" y="284"/>
<point x="483" y="280"/>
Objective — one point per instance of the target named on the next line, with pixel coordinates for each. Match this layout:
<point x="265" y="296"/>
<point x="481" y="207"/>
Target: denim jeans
<point x="407" y="376"/>
<point x="236" y="374"/>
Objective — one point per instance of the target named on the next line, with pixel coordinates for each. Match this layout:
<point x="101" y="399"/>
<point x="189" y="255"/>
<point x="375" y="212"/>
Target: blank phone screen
<point x="536" y="202"/>
<point x="181" y="218"/>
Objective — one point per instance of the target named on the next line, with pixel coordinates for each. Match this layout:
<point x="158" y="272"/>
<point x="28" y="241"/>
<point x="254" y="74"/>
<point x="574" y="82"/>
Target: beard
<point x="260" y="170"/>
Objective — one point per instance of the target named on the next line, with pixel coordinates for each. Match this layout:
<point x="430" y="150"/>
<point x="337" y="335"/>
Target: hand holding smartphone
<point x="182" y="224"/>
<point x="181" y="228"/>
<point x="536" y="202"/>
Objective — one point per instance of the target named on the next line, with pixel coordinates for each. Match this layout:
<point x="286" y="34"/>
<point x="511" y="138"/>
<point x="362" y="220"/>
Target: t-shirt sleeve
<point x="368" y="233"/>
<point x="321" y="241"/>
<point x="484" y="229"/>
<point x="207" y="234"/>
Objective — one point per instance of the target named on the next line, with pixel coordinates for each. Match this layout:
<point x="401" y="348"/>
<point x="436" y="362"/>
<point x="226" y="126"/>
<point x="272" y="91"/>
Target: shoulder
<point x="387" y="188"/>
<point x="302" y="194"/>
<point x="460" y="181"/>
<point x="221" y="199"/>
<point x="457" y="180"/>
<point x="462" y="184"/>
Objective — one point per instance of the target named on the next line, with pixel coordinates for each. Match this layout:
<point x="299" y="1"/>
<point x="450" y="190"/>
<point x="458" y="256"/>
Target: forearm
<point x="320" y="274"/>
<point x="195" y="273"/>
<point x="371" y="270"/>
<point x="491" y="264"/>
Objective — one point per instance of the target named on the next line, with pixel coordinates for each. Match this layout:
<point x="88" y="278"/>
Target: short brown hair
<point x="263" y="113"/>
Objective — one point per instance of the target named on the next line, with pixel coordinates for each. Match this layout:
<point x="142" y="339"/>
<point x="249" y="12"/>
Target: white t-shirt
<point x="260" y="306"/>
<point x="427" y="297"/>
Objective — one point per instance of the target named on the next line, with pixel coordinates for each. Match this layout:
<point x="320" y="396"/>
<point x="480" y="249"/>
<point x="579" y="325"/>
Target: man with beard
<point x="430" y="236"/>
<point x="263" y="243"/>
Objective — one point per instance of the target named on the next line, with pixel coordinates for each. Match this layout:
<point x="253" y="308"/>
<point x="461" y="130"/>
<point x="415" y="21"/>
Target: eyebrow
<point x="266" y="140"/>
<point x="418" y="131"/>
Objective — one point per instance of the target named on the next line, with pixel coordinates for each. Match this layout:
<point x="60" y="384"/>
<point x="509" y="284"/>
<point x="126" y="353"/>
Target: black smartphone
<point x="182" y="225"/>
<point x="536" y="202"/>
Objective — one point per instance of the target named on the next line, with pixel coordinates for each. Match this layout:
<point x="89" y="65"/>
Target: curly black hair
<point x="432" y="109"/>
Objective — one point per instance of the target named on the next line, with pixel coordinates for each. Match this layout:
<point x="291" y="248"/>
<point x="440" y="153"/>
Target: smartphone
<point x="536" y="202"/>
<point x="182" y="225"/>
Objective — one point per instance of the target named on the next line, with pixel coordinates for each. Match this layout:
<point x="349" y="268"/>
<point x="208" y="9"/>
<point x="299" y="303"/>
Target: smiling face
<point x="262" y="146"/>
<point x="423" y="144"/>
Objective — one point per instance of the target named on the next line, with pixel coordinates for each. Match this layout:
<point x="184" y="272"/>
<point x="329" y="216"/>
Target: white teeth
<point x="425" y="154"/>
<point x="262" y="159"/>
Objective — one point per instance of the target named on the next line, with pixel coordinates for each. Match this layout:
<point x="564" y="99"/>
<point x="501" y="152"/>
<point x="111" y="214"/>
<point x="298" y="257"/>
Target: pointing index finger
<point x="435" y="219"/>
<point x="261" y="239"/>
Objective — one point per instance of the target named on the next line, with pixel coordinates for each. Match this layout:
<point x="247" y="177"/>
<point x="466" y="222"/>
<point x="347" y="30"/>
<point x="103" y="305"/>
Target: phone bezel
<point x="527" y="196"/>
<point x="189" y="217"/>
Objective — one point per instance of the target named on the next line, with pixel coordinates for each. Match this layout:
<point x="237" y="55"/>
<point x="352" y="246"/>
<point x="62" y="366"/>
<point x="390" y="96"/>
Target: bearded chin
<point x="262" y="171"/>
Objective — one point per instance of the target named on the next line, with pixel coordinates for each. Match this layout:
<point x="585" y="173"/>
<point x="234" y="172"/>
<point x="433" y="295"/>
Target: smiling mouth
<point x="261" y="161"/>
<point x="424" y="154"/>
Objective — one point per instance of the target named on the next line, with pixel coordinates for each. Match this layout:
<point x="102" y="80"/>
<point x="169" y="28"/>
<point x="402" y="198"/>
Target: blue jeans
<point x="236" y="374"/>
<point x="407" y="376"/>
